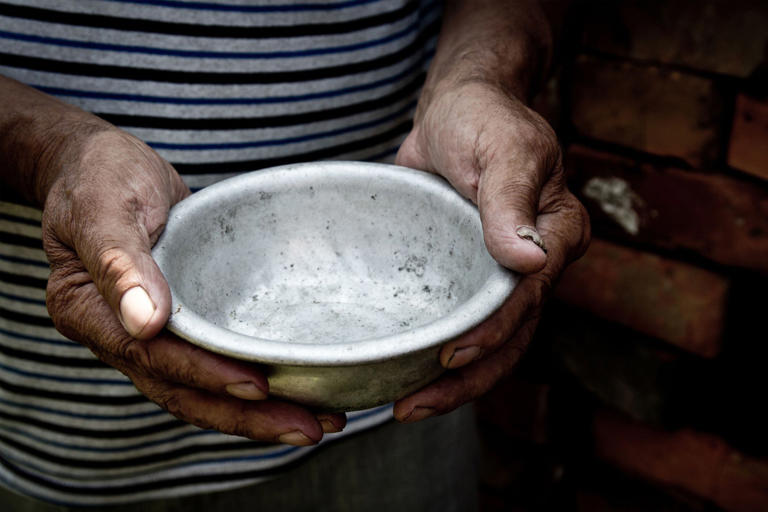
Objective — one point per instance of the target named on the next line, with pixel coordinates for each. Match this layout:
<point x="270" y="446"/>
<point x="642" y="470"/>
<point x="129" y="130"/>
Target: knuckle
<point x="579" y="228"/>
<point x="112" y="264"/>
<point x="537" y="137"/>
<point x="64" y="304"/>
<point x="63" y="322"/>
<point x="517" y="192"/>
<point x="58" y="294"/>
<point x="242" y="428"/>
<point x="555" y="195"/>
<point x="517" y="351"/>
<point x="499" y="336"/>
<point x="173" y="403"/>
<point x="238" y="424"/>
<point x="542" y="289"/>
<point x="519" y="186"/>
<point x="137" y="354"/>
<point x="153" y="359"/>
<point x="159" y="227"/>
<point x="54" y="246"/>
<point x="512" y="357"/>
<point x="70" y="299"/>
<point x="570" y="231"/>
<point x="187" y="374"/>
<point x="177" y="403"/>
<point x="469" y="183"/>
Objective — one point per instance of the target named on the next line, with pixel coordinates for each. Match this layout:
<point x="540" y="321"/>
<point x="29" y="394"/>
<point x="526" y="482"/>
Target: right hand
<point x="106" y="206"/>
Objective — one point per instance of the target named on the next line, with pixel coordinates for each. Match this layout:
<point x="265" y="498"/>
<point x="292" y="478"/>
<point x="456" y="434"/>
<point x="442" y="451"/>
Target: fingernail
<point x="136" y="310"/>
<point x="529" y="233"/>
<point x="296" y="438"/>
<point x="329" y="427"/>
<point x="418" y="414"/>
<point x="462" y="356"/>
<point x="246" y="391"/>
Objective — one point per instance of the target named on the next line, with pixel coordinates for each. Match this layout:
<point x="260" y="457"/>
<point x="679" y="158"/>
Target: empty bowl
<point x="343" y="279"/>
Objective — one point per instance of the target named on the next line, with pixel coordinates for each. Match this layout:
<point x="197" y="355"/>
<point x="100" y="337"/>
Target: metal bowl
<point x="342" y="278"/>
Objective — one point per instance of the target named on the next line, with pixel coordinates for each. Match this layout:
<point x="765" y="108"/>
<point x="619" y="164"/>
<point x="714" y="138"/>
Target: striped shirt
<point x="216" y="87"/>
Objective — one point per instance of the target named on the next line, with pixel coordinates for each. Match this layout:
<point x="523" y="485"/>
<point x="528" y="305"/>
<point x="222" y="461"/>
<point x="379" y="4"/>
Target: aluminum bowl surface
<point x="344" y="278"/>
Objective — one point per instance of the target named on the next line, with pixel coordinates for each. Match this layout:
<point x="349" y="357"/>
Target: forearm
<point x="507" y="43"/>
<point x="36" y="130"/>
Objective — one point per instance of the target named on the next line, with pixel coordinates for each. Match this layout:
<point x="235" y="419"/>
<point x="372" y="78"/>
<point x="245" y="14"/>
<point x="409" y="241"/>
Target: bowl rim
<point x="189" y="325"/>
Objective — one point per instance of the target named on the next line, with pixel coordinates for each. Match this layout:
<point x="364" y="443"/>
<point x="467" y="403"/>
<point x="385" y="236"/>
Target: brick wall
<point x="645" y="386"/>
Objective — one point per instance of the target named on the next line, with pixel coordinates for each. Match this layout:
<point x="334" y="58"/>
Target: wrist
<point x="60" y="146"/>
<point x="40" y="136"/>
<point x="507" y="45"/>
<point x="516" y="65"/>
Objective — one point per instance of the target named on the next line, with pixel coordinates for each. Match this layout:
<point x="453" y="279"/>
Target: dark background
<point x="646" y="387"/>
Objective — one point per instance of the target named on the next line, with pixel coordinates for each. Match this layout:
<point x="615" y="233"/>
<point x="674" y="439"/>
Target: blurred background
<point x="646" y="386"/>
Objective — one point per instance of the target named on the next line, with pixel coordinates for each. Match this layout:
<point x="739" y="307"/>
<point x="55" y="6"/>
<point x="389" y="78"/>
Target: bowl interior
<point x="326" y="254"/>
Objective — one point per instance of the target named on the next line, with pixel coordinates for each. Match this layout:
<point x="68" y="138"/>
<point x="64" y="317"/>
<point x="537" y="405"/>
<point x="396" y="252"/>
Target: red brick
<point x="709" y="35"/>
<point x="748" y="149"/>
<point x="696" y="462"/>
<point x="648" y="108"/>
<point x="722" y="218"/>
<point x="667" y="299"/>
<point x="620" y="367"/>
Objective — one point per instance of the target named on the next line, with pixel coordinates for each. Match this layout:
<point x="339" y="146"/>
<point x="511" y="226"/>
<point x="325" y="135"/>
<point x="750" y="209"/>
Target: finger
<point x="458" y="387"/>
<point x="508" y="199"/>
<point x="115" y="250"/>
<point x="169" y="357"/>
<point x="566" y="226"/>
<point x="81" y="313"/>
<point x="332" y="422"/>
<point x="113" y="238"/>
<point x="269" y="420"/>
<point x="487" y="337"/>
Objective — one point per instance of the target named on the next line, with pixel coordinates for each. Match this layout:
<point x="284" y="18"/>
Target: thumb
<point x="145" y="299"/>
<point x="116" y="251"/>
<point x="508" y="205"/>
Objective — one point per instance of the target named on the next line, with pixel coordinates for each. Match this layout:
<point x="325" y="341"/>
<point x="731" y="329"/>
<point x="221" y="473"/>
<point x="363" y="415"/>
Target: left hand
<point x="504" y="157"/>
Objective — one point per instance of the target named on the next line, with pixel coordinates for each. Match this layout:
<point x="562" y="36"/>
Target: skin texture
<point x="99" y="247"/>
<point x="514" y="185"/>
<point x="472" y="127"/>
<point x="106" y="197"/>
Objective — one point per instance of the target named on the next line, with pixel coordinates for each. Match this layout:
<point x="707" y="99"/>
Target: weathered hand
<point x="103" y="211"/>
<point x="504" y="157"/>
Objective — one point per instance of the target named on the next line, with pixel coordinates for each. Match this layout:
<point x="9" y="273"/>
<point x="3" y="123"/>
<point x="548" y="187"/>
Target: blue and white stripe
<point x="216" y="87"/>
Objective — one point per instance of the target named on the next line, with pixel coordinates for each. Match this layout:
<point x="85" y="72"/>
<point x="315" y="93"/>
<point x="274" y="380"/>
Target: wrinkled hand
<point x="505" y="158"/>
<point x="103" y="212"/>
